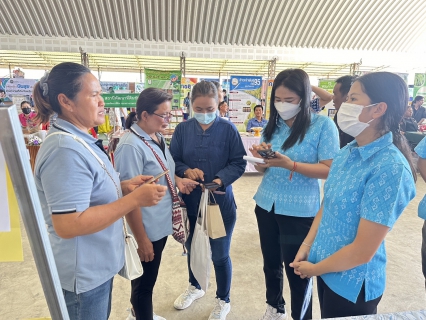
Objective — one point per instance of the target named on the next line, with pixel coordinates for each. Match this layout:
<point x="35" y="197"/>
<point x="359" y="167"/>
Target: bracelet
<point x="293" y="170"/>
<point x="306" y="244"/>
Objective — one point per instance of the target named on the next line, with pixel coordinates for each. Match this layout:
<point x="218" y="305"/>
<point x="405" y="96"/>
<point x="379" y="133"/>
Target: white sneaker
<point x="220" y="310"/>
<point x="188" y="297"/>
<point x="155" y="317"/>
<point x="272" y="314"/>
<point x="132" y="316"/>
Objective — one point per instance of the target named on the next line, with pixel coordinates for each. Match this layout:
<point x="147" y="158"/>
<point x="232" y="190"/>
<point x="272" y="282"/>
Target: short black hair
<point x="257" y="106"/>
<point x="418" y="98"/>
<point x="2" y="90"/>
<point x="224" y="90"/>
<point x="345" y="83"/>
<point x="24" y="102"/>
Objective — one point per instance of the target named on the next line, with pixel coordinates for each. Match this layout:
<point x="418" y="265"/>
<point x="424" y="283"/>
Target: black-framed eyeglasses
<point x="166" y="116"/>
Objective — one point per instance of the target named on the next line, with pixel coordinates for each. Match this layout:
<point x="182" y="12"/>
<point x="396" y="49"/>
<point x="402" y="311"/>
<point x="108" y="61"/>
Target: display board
<point x="328" y="84"/>
<point x="17" y="87"/>
<point x="111" y="86"/>
<point x="21" y="177"/>
<point x="244" y="94"/>
<point x="419" y="85"/>
<point x="120" y="100"/>
<point x="170" y="81"/>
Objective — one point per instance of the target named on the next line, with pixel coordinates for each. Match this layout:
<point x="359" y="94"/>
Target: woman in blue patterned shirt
<point x="289" y="196"/>
<point x="370" y="183"/>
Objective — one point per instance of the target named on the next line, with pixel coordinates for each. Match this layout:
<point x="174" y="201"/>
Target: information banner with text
<point x="169" y="81"/>
<point x="244" y="94"/>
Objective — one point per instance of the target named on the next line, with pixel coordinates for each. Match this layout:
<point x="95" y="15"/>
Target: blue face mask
<point x="205" y="118"/>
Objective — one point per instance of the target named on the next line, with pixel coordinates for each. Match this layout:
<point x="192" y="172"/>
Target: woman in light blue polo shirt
<point x="288" y="197"/>
<point x="370" y="183"/>
<point x="150" y="226"/>
<point x="80" y="199"/>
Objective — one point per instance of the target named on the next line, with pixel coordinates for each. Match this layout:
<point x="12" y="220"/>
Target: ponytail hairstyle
<point x="204" y="89"/>
<point x="131" y="118"/>
<point x="389" y="88"/>
<point x="63" y="78"/>
<point x="297" y="81"/>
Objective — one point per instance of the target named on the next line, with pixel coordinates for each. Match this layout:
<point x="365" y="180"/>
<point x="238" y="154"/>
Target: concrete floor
<point x="21" y="295"/>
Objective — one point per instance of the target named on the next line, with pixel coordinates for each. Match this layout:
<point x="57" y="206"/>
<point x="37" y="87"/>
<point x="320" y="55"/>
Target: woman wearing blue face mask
<point x="208" y="148"/>
<point x="370" y="183"/>
<point x="287" y="200"/>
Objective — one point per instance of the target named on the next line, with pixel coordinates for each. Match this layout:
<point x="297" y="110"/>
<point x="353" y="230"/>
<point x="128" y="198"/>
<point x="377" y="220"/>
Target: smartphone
<point x="211" y="185"/>
<point x="158" y="176"/>
<point x="267" y="153"/>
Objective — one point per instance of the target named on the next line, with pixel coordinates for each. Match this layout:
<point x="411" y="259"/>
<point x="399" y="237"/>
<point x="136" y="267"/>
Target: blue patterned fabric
<point x="421" y="151"/>
<point x="373" y="182"/>
<point x="299" y="197"/>
<point x="315" y="105"/>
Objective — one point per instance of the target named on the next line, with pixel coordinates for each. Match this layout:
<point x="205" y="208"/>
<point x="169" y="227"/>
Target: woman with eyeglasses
<point x="150" y="226"/>
<point x="208" y="148"/>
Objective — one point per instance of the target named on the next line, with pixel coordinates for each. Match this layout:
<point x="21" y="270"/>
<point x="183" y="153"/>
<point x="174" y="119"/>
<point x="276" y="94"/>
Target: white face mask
<point x="287" y="110"/>
<point x="348" y="118"/>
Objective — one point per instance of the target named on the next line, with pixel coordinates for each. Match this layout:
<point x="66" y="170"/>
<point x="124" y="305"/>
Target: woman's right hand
<point x="262" y="146"/>
<point x="148" y="194"/>
<point x="194" y="174"/>
<point x="145" y="250"/>
<point x="302" y="255"/>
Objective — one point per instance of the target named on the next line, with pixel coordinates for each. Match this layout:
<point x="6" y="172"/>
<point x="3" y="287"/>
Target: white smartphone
<point x="157" y="176"/>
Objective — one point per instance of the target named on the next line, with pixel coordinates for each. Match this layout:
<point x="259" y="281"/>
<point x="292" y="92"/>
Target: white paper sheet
<point x="4" y="204"/>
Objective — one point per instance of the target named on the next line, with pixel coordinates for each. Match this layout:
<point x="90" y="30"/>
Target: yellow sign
<point x="10" y="242"/>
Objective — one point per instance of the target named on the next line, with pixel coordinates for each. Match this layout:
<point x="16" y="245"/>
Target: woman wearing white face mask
<point x="289" y="196"/>
<point x="206" y="149"/>
<point x="370" y="183"/>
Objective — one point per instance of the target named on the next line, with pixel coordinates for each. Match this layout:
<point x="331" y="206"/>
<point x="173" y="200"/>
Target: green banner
<point x="419" y="85"/>
<point x="120" y="100"/>
<point x="169" y="81"/>
<point x="327" y="84"/>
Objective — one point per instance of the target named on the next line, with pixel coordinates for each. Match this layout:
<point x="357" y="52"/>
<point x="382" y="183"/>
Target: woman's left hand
<point x="280" y="160"/>
<point x="186" y="185"/>
<point x="305" y="269"/>
<point x="128" y="186"/>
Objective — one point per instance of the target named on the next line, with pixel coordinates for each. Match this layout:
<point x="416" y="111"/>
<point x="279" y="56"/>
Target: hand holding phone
<point x="157" y="176"/>
<point x="267" y="153"/>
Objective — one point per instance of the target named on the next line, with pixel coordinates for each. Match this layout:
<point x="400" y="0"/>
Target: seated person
<point x="408" y="123"/>
<point x="26" y="118"/>
<point x="223" y="110"/>
<point x="258" y="120"/>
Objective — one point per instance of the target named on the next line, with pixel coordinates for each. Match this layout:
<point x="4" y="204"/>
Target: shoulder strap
<point x="84" y="143"/>
<point x="175" y="197"/>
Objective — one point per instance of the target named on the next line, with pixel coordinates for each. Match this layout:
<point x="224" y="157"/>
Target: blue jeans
<point x="220" y="255"/>
<point x="90" y="305"/>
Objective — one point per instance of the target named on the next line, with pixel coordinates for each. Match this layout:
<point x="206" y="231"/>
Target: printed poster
<point x="244" y="95"/>
<point x="185" y="88"/>
<point x="112" y="87"/>
<point x="17" y="87"/>
<point x="419" y="85"/>
<point x="169" y="81"/>
<point x="328" y="84"/>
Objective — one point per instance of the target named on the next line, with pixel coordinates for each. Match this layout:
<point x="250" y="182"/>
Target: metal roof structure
<point x="373" y="26"/>
<point x="131" y="63"/>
